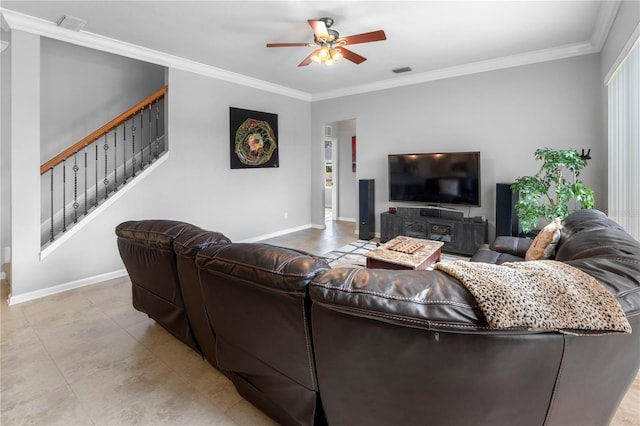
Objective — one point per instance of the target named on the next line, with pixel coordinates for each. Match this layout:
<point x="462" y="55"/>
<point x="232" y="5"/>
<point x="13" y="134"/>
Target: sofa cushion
<point x="583" y="227"/>
<point x="256" y="300"/>
<point x="545" y="242"/>
<point x="186" y="247"/>
<point x="589" y="220"/>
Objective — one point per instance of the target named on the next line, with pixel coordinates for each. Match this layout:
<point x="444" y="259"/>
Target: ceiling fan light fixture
<point x="329" y="44"/>
<point x="324" y="53"/>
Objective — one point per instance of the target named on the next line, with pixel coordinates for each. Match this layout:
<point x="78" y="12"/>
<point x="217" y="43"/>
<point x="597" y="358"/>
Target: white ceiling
<point x="435" y="38"/>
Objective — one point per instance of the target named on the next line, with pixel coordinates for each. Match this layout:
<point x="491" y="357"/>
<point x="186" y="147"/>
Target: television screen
<point x="437" y="178"/>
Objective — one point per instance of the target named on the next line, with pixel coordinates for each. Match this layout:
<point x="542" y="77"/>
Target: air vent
<point x="401" y="70"/>
<point x="71" y="23"/>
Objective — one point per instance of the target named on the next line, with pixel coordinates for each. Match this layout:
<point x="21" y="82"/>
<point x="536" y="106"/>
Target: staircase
<point x="78" y="180"/>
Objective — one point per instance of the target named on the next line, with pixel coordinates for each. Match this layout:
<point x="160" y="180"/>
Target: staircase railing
<point x="79" y="178"/>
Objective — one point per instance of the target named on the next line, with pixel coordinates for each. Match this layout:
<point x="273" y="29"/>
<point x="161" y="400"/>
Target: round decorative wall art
<point x="255" y="142"/>
<point x="253" y="139"/>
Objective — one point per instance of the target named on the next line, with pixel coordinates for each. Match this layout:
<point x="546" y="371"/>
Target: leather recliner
<point x="186" y="247"/>
<point x="410" y="347"/>
<point x="308" y="344"/>
<point x="147" y="251"/>
<point x="257" y="301"/>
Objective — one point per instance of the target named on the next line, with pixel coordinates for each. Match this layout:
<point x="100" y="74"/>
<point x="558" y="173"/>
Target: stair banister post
<point x="64" y="195"/>
<point x="75" y="186"/>
<point x="86" y="194"/>
<point x="51" y="219"/>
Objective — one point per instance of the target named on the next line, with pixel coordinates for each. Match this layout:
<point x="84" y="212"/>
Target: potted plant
<point x="547" y="194"/>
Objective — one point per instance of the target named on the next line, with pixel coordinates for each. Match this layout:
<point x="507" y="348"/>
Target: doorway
<point x="331" y="178"/>
<point x="340" y="199"/>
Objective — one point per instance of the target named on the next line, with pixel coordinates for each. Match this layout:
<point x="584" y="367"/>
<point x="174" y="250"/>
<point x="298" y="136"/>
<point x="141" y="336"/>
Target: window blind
<point x="624" y="143"/>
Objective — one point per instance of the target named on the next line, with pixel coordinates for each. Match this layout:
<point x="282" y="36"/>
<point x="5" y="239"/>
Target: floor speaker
<point x="366" y="219"/>
<point x="507" y="222"/>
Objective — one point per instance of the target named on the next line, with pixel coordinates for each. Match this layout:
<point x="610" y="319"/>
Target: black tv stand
<point x="459" y="234"/>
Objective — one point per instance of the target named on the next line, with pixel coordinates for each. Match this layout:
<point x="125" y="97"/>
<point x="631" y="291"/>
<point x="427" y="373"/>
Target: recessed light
<point x="72" y="23"/>
<point x="401" y="70"/>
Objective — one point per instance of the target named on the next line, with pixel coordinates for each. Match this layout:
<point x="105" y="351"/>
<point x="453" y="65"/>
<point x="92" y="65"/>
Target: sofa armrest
<point x="511" y="245"/>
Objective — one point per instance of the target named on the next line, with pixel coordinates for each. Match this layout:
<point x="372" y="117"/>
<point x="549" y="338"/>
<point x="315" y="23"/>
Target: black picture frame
<point x="253" y="139"/>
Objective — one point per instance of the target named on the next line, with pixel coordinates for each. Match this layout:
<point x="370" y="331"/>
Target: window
<point x="624" y="142"/>
<point x="328" y="174"/>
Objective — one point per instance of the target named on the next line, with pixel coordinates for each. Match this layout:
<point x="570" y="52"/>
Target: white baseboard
<point x="274" y="234"/>
<point x="346" y="219"/>
<point x="32" y="295"/>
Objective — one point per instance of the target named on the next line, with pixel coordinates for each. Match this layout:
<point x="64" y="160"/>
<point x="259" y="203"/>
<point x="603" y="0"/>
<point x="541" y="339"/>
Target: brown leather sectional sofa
<point x="308" y="344"/>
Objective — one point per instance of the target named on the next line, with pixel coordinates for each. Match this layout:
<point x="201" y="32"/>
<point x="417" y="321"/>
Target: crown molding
<point x="606" y="16"/>
<point x="633" y="40"/>
<point x="41" y="27"/>
<point x="604" y="21"/>
<point x="528" y="58"/>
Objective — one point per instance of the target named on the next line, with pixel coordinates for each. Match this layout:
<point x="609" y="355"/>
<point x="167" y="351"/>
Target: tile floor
<point x="86" y="357"/>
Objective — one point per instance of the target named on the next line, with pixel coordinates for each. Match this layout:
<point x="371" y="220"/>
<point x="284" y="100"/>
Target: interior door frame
<point x="335" y="170"/>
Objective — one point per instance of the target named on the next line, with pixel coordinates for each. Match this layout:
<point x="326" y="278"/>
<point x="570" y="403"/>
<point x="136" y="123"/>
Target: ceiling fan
<point x="330" y="46"/>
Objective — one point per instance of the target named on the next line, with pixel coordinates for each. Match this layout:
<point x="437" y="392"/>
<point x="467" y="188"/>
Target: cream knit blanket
<point x="543" y="294"/>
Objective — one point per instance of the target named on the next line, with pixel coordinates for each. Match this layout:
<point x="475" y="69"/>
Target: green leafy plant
<point x="548" y="193"/>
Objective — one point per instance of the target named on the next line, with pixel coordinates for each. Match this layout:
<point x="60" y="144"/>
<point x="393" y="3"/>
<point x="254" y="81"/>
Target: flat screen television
<point x="435" y="178"/>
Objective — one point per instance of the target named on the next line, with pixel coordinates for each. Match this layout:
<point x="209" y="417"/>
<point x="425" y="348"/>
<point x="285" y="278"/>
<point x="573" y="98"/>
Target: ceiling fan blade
<point x="286" y="44"/>
<point x="319" y="29"/>
<point x="352" y="56"/>
<point x="306" y="61"/>
<point x="364" y="37"/>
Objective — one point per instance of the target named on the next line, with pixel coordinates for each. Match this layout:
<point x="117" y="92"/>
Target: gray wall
<point x="241" y="203"/>
<point x="80" y="90"/>
<point x="194" y="183"/>
<point x="5" y="148"/>
<point x="83" y="89"/>
<point x="505" y="114"/>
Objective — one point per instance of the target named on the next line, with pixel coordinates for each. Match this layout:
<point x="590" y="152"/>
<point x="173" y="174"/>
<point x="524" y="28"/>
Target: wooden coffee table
<point x="405" y="253"/>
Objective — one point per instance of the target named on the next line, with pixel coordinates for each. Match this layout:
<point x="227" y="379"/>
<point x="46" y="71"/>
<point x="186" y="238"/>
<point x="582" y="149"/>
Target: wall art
<point x="253" y="139"/>
<point x="353" y="154"/>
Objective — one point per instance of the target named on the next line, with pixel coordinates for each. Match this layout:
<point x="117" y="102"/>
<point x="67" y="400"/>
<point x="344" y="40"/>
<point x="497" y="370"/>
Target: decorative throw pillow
<point x="545" y="242"/>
